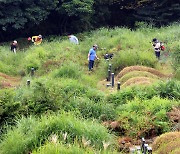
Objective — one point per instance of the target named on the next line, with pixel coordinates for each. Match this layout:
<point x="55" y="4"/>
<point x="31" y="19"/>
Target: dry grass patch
<point x="7" y="81"/>
<point x="141" y="68"/>
<point x="174" y="115"/>
<point x="132" y="74"/>
<point x="138" y="81"/>
<point x="167" y="143"/>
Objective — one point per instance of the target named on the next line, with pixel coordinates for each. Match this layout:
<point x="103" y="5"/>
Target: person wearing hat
<point x="36" y="39"/>
<point x="73" y="39"/>
<point x="92" y="56"/>
<point x="157" y="47"/>
<point x="14" y="46"/>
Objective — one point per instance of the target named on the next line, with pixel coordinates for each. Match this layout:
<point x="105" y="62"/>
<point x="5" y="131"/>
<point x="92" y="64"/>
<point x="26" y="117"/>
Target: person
<point x="157" y="47"/>
<point x="14" y="46"/>
<point x="73" y="39"/>
<point x="36" y="39"/>
<point x="92" y="56"/>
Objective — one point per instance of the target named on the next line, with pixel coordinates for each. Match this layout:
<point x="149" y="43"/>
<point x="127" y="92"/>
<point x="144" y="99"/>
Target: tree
<point x="16" y="14"/>
<point x="159" y="12"/>
<point x="76" y="13"/>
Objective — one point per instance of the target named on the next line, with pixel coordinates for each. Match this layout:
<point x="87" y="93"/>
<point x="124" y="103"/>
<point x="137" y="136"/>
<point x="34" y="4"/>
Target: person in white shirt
<point x="157" y="48"/>
<point x="73" y="39"/>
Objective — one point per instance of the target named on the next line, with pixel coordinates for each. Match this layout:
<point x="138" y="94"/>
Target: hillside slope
<point x="69" y="106"/>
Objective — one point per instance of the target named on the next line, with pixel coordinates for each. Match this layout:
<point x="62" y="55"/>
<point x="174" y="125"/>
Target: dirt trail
<point x="7" y="81"/>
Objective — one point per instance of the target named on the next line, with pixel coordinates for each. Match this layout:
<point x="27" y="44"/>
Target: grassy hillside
<point x="69" y="109"/>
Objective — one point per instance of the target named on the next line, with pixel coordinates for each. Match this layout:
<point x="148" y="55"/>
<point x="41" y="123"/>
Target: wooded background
<point x="23" y="18"/>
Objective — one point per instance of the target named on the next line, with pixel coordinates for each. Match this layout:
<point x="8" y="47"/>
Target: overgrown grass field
<point x="64" y="109"/>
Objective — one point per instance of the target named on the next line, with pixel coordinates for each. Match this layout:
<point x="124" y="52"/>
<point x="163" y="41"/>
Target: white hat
<point x="15" y="41"/>
<point x="40" y="36"/>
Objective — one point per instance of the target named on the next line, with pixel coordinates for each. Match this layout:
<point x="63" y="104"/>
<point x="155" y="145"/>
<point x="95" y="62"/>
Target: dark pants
<point x="91" y="64"/>
<point x="157" y="54"/>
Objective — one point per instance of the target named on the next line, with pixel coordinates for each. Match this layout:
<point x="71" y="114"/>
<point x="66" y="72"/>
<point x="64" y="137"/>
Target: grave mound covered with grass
<point x="138" y="81"/>
<point x="168" y="143"/>
<point x="133" y="74"/>
<point x="142" y="68"/>
<point x="139" y="75"/>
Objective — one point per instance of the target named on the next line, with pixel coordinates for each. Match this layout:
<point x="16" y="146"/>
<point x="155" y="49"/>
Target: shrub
<point x="169" y="89"/>
<point x="8" y="108"/>
<point x="139" y="117"/>
<point x="91" y="110"/>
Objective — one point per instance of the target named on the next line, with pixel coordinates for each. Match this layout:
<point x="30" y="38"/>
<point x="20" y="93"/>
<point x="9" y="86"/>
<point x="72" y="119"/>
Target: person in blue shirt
<point x="92" y="56"/>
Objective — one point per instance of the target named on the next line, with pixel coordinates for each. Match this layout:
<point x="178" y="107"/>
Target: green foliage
<point x="17" y="14"/>
<point x="53" y="95"/>
<point x="91" y="110"/>
<point x="35" y="58"/>
<point x="130" y="58"/>
<point x="158" y="12"/>
<point x="140" y="116"/>
<point x="69" y="70"/>
<point x="30" y="133"/>
<point x="62" y="83"/>
<point x="176" y="61"/>
<point x="8" y="108"/>
<point x="9" y="62"/>
<point x="57" y="148"/>
<point x="169" y="89"/>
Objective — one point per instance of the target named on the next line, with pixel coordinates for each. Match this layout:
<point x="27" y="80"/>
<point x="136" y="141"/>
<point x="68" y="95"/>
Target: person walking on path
<point x="73" y="39"/>
<point x="92" y="56"/>
<point x="157" y="48"/>
<point x="14" y="46"/>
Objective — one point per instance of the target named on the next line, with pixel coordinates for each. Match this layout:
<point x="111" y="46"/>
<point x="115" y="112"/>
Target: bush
<point x="169" y="89"/>
<point x="9" y="108"/>
<point x="91" y="110"/>
<point x="139" y="117"/>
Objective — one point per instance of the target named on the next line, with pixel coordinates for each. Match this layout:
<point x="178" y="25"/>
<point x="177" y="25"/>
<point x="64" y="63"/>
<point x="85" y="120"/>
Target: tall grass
<point x="30" y="133"/>
<point x="62" y="82"/>
<point x="57" y="148"/>
<point x="10" y="63"/>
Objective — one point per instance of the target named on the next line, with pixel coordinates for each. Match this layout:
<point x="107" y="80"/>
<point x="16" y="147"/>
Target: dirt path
<point x="7" y="81"/>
